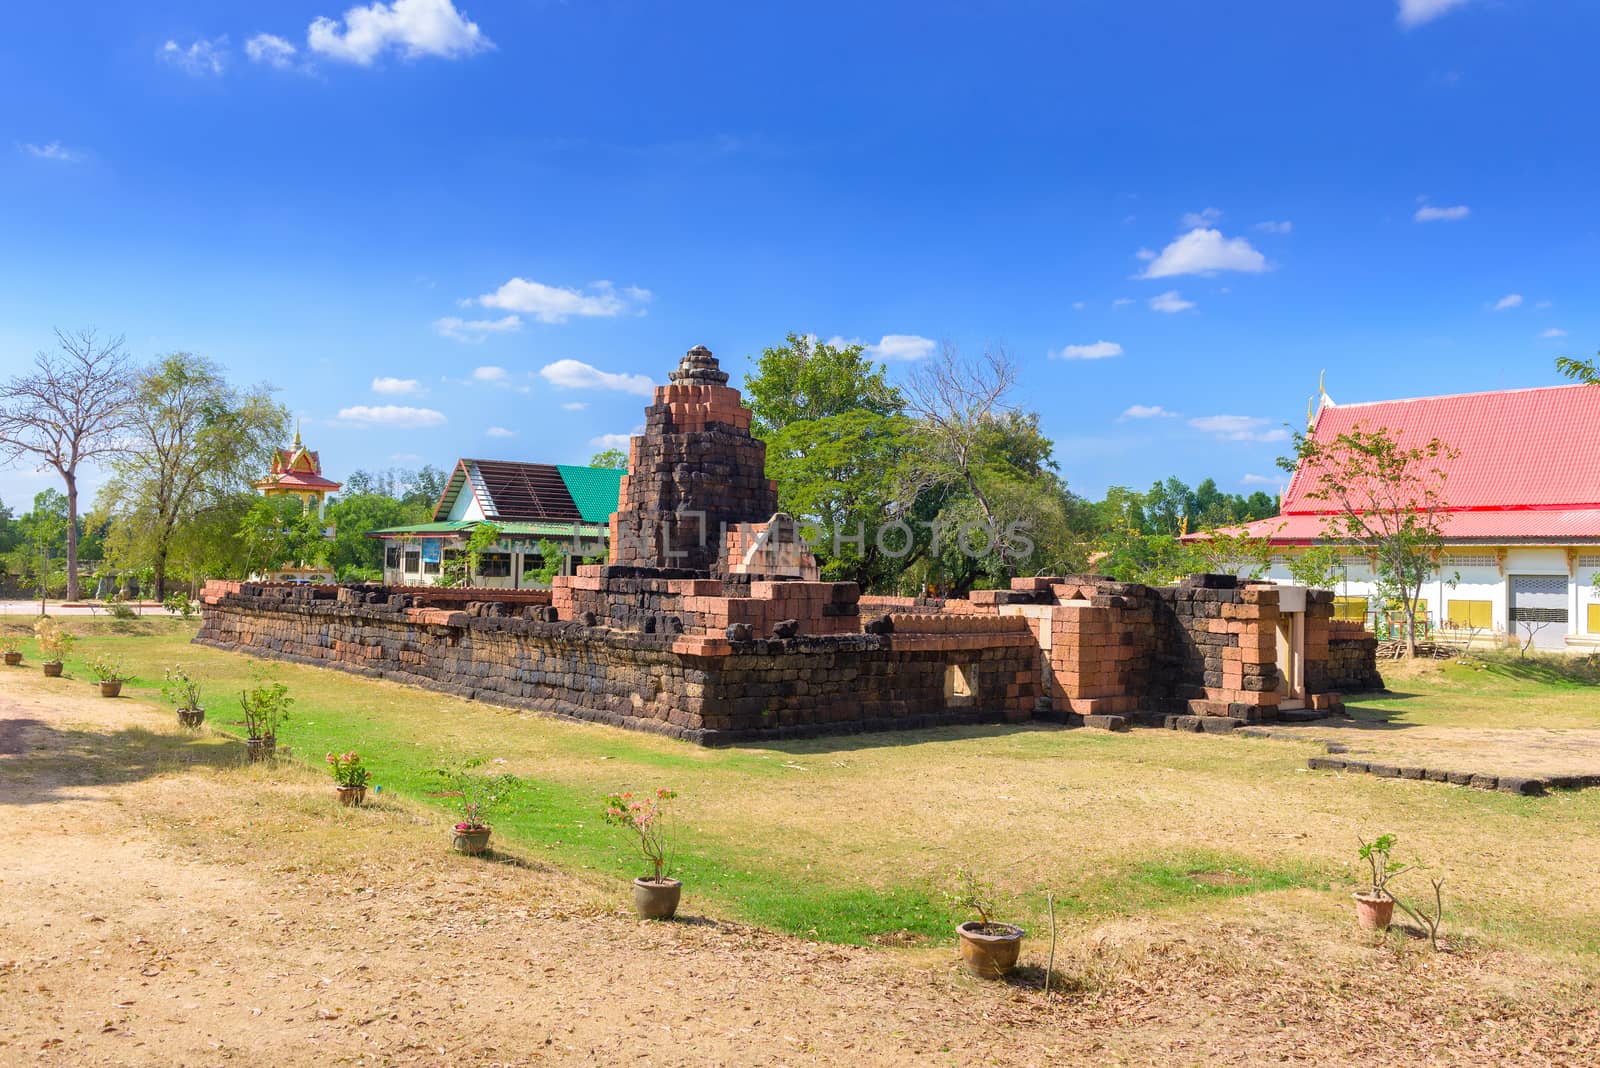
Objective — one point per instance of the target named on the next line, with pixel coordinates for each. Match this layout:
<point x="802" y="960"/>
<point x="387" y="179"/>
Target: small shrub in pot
<point x="989" y="949"/>
<point x="183" y="690"/>
<point x="1375" y="905"/>
<point x="266" y="709"/>
<point x="655" y="895"/>
<point x="477" y="797"/>
<point x="110" y="673"/>
<point x="11" y="646"/>
<point x="54" y="644"/>
<point x="350" y="777"/>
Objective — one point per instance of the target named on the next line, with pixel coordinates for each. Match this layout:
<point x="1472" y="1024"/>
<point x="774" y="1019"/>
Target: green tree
<point x="192" y="440"/>
<point x="278" y="531"/>
<point x="612" y="458"/>
<point x="40" y="557"/>
<point x="354" y="555"/>
<point x="805" y="380"/>
<point x="1384" y="498"/>
<point x="1579" y="370"/>
<point x="550" y="557"/>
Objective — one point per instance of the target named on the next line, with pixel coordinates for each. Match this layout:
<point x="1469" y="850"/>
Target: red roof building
<point x="1522" y="509"/>
<point x="297" y="470"/>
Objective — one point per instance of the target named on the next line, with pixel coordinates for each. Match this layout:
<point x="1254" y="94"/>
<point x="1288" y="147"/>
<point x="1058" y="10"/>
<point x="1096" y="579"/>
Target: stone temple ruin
<point x="709" y="623"/>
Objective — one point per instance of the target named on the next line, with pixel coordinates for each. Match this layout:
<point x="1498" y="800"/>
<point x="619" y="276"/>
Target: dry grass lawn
<point x="182" y="909"/>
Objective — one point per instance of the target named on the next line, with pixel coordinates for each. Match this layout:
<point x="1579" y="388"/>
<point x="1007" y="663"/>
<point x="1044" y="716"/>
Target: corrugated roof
<point x="1558" y="525"/>
<point x="1518" y="448"/>
<point x="595" y="490"/>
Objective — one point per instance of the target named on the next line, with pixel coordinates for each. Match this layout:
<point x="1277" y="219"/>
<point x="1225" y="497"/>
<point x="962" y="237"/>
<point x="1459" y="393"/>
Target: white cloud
<point x="1416" y="12"/>
<point x="611" y="441"/>
<point x="1258" y="480"/>
<point x="1146" y="411"/>
<point x="1196" y="219"/>
<point x="1510" y="300"/>
<point x="891" y="347"/>
<point x="1146" y="254"/>
<point x="1099" y="350"/>
<point x="1170" y="302"/>
<point x="270" y="49"/>
<point x="414" y="28"/>
<point x="500" y="432"/>
<point x="1204" y="251"/>
<point x="473" y="331"/>
<point x="1542" y="304"/>
<point x="575" y="374"/>
<point x="1553" y="332"/>
<point x="54" y="150"/>
<point x="1078" y="305"/>
<point x="1271" y="227"/>
<point x="575" y="406"/>
<point x="392" y="415"/>
<point x="1240" y="428"/>
<point x="556" y="304"/>
<point x="1432" y="213"/>
<point x="489" y="373"/>
<point x="1122" y="302"/>
<point x="201" y="58"/>
<point x="392" y="385"/>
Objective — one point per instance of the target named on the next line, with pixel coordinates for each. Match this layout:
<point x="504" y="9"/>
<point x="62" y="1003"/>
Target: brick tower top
<point x="694" y="473"/>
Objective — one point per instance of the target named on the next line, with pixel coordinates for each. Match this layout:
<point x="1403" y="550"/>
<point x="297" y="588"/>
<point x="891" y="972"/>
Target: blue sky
<point x="480" y="228"/>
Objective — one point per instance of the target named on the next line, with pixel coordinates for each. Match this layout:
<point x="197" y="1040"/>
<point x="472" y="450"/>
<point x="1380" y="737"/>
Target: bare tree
<point x="73" y="407"/>
<point x="954" y="400"/>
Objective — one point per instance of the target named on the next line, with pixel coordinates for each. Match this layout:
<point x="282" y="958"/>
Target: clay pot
<point x="259" y="749"/>
<point x="191" y="717"/>
<point x="654" y="900"/>
<point x="351" y="795"/>
<point x="470" y="840"/>
<point x="111" y="689"/>
<point x="1373" y="911"/>
<point x="989" y="952"/>
<point x="13" y="659"/>
<point x="52" y="669"/>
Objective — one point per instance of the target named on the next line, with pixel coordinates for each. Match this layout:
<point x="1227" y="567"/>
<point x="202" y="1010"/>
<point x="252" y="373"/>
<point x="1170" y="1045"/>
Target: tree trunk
<point x="71" y="479"/>
<point x="161" y="573"/>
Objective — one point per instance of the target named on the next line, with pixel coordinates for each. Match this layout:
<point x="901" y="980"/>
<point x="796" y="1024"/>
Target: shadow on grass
<point x="40" y="764"/>
<point x="1564" y="671"/>
<point x="900" y="738"/>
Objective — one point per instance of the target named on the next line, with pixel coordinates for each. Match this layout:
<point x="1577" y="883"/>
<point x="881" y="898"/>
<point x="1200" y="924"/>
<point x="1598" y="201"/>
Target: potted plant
<point x="110" y="673"/>
<point x="11" y="645"/>
<point x="1375" y="905"/>
<point x="350" y="778"/>
<point x="183" y="690"/>
<point x="988" y="949"/>
<point x="655" y="896"/>
<point x="476" y="796"/>
<point x="266" y="708"/>
<point x="54" y="644"/>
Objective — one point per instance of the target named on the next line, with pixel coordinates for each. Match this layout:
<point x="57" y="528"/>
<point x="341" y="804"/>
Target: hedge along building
<point x="529" y="504"/>
<point x="707" y="623"/>
<point x="1521" y="515"/>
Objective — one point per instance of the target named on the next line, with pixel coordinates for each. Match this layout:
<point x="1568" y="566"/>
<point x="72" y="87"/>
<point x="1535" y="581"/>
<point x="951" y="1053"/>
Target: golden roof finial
<point x="297" y="432"/>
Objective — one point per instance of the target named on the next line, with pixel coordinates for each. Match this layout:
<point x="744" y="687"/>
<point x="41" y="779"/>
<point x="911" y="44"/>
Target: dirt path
<point x="163" y="905"/>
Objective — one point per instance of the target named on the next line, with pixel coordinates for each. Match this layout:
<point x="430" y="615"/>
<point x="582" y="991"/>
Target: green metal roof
<point x="595" y="490"/>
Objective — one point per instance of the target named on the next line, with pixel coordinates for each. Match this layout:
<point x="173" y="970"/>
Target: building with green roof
<point x="528" y="503"/>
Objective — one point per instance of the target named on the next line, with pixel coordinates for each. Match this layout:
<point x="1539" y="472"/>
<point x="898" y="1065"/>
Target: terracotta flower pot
<point x="989" y="951"/>
<point x="470" y="840"/>
<point x="52" y="669"/>
<point x="259" y="749"/>
<point x="111" y="689"/>
<point x="351" y="795"/>
<point x="13" y="659"/>
<point x="654" y="900"/>
<point x="1373" y="911"/>
<point x="191" y="717"/>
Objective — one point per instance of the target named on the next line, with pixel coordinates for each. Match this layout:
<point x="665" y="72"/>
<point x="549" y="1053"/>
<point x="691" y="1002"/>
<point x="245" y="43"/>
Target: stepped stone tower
<point x="693" y="475"/>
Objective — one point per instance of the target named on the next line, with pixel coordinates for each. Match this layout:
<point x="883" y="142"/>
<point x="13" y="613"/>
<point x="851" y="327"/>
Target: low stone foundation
<point x="706" y="690"/>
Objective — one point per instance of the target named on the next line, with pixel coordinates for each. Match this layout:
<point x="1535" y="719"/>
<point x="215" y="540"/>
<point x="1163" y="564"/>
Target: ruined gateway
<point x="708" y="623"/>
